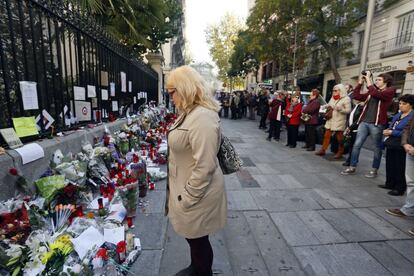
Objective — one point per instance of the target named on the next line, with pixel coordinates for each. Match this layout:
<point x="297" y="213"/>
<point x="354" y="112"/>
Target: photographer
<point x="373" y="117"/>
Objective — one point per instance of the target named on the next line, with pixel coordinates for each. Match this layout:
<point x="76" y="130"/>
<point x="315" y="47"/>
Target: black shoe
<point x="310" y="149"/>
<point x="188" y="271"/>
<point x="396" y="193"/>
<point x="292" y="146"/>
<point x="287" y="145"/>
<point x="276" y="139"/>
<point x="305" y="147"/>
<point x="346" y="164"/>
<point x="384" y="187"/>
<point x="268" y="139"/>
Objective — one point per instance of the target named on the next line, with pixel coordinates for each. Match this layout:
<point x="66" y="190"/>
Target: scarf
<point x="336" y="97"/>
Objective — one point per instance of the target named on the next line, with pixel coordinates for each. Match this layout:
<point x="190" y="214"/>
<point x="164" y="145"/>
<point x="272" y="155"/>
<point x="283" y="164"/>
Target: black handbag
<point x="393" y="142"/>
<point x="228" y="158"/>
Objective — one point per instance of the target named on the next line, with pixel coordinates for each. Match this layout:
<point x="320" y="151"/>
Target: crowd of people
<point x="348" y="119"/>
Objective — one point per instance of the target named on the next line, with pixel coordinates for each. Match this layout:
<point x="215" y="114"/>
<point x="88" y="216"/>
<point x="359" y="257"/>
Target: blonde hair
<point x="192" y="89"/>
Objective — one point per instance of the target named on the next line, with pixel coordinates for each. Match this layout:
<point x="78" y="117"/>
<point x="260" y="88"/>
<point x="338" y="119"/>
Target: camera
<point x="364" y="73"/>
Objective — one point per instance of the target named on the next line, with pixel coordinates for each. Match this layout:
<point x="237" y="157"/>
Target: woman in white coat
<point x="340" y="106"/>
<point x="196" y="200"/>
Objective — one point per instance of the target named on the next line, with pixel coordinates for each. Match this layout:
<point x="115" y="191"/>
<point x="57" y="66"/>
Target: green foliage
<point x="221" y="38"/>
<point x="141" y="24"/>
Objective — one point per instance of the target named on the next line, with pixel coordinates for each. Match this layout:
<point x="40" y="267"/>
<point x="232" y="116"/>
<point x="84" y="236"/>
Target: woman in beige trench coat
<point x="340" y="103"/>
<point x="196" y="200"/>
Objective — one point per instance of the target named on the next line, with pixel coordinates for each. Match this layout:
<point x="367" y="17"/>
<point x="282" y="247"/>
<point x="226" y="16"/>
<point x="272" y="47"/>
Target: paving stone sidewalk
<point x="290" y="213"/>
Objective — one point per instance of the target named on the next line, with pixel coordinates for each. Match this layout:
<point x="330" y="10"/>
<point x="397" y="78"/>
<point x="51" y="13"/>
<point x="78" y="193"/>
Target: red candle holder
<point x="130" y="222"/>
<point x="79" y="211"/>
<point x="100" y="203"/>
<point x="151" y="186"/>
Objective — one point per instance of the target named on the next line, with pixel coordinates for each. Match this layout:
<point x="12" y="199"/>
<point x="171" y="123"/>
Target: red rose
<point x="13" y="171"/>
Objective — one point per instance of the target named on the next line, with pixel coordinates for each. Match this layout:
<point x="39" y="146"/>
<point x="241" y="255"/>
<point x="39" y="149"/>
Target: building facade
<point x="390" y="51"/>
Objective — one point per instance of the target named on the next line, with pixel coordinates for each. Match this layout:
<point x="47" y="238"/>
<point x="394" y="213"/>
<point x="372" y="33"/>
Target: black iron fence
<point x="57" y="47"/>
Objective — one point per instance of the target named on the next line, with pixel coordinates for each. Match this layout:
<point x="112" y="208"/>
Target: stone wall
<point x="32" y="171"/>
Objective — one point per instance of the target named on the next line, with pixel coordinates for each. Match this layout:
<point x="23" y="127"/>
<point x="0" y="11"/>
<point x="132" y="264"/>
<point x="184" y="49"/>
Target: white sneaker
<point x="371" y="174"/>
<point x="348" y="171"/>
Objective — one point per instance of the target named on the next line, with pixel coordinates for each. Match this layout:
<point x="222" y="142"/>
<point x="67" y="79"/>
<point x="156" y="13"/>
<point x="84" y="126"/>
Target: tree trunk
<point x="332" y="60"/>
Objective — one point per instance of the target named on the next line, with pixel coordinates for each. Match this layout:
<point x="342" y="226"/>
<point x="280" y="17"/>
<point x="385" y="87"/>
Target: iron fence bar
<point x="65" y="77"/>
<point x="13" y="50"/>
<point x="36" y="67"/>
<point x="58" y="54"/>
<point x="45" y="78"/>
<point x="53" y="72"/>
<point x="21" y="20"/>
<point x="71" y="64"/>
<point x="6" y="80"/>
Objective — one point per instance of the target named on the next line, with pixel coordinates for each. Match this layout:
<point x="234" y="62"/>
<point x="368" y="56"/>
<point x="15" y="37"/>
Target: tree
<point x="244" y="58"/>
<point x="220" y="38"/>
<point x="141" y="25"/>
<point x="332" y="23"/>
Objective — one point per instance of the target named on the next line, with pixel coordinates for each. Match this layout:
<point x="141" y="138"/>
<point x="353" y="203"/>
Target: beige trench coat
<point x="338" y="120"/>
<point x="196" y="200"/>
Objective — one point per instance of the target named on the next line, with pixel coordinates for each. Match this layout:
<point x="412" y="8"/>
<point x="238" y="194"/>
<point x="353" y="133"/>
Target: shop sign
<point x="380" y="68"/>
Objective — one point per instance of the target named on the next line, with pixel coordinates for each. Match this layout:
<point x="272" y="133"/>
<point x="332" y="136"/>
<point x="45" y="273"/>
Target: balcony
<point x="399" y="45"/>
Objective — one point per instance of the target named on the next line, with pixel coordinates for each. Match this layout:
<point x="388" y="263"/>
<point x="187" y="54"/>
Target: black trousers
<point x="201" y="256"/>
<point x="395" y="169"/>
<point x="263" y="119"/>
<point x="274" y="129"/>
<point x="226" y="111"/>
<point x="292" y="134"/>
<point x="310" y="136"/>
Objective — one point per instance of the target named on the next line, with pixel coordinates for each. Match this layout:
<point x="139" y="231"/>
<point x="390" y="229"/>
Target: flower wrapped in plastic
<point x="49" y="186"/>
<point x="129" y="194"/>
<point x="74" y="171"/>
<point x="139" y="171"/>
<point x="14" y="221"/>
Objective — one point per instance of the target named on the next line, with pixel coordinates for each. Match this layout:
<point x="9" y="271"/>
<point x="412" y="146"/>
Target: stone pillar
<point x="156" y="60"/>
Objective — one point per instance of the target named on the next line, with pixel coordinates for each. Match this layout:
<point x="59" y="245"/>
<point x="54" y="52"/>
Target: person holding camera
<point x="373" y="118"/>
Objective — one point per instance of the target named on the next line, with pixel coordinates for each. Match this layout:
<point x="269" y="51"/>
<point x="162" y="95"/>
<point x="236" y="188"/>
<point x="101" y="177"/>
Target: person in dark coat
<point x="275" y="117"/>
<point x="264" y="108"/>
<point x="312" y="109"/>
<point x="395" y="153"/>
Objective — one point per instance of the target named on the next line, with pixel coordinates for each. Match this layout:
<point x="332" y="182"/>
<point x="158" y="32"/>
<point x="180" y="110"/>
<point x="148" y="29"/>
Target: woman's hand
<point x="387" y="132"/>
<point x="409" y="149"/>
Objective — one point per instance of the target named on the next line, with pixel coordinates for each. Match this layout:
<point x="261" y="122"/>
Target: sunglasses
<point x="171" y="91"/>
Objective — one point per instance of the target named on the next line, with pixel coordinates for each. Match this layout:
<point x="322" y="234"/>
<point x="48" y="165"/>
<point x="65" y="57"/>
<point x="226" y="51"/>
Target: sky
<point x="200" y="14"/>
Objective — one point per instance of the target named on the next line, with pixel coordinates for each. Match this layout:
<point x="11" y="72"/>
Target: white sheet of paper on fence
<point x="114" y="235"/>
<point x="30" y="152"/>
<point x="83" y="111"/>
<point x="112" y="88"/>
<point x="129" y="86"/>
<point x="47" y="119"/>
<point x="114" y="105"/>
<point x="90" y="238"/>
<point x="91" y="91"/>
<point x="123" y="82"/>
<point x="29" y="95"/>
<point x="104" y="94"/>
<point x="79" y="93"/>
<point x="135" y="100"/>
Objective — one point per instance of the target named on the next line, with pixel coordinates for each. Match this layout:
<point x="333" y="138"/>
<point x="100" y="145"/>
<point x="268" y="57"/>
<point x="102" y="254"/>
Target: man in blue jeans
<point x="407" y="141"/>
<point x="373" y="118"/>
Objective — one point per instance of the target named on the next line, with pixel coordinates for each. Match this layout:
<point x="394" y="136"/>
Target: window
<point x="360" y="42"/>
<point x="405" y="28"/>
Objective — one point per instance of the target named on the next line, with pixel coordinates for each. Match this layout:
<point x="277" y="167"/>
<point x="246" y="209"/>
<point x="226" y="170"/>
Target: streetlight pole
<point x="294" y="55"/>
<point x="367" y="34"/>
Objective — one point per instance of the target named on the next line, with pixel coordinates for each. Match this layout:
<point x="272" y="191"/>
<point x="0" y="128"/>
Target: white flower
<point x="15" y="250"/>
<point x="77" y="268"/>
